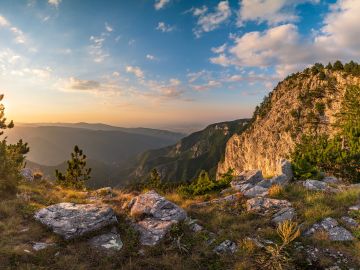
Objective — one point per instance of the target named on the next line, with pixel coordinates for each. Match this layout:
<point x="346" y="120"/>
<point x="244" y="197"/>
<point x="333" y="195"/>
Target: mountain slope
<point x="51" y="145"/>
<point x="304" y="103"/>
<point x="201" y="150"/>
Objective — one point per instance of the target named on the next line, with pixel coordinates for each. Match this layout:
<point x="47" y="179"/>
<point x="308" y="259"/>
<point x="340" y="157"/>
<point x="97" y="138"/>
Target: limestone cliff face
<point x="303" y="103"/>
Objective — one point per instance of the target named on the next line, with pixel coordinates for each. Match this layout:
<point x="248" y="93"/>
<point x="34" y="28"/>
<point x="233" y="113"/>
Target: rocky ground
<point x="47" y="227"/>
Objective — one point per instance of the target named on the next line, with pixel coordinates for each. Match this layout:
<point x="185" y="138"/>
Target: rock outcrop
<point x="109" y="242"/>
<point x="154" y="216"/>
<point x="333" y="230"/>
<point x="287" y="113"/>
<point x="227" y="246"/>
<point x="72" y="220"/>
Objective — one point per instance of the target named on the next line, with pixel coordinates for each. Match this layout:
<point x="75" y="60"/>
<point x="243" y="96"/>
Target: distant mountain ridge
<point x="183" y="161"/>
<point x="51" y="145"/>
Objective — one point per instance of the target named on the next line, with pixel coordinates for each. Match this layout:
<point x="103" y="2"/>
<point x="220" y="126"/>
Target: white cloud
<point x="54" y="3"/>
<point x="341" y="30"/>
<point x="96" y="49"/>
<point x="159" y="4"/>
<point x="209" y="21"/>
<point x="165" y="28"/>
<point x="4" y="22"/>
<point x="151" y="57"/>
<point x="220" y="49"/>
<point x="285" y="49"/>
<point x="78" y="84"/>
<point x="221" y="60"/>
<point x="19" y="35"/>
<point x="136" y="71"/>
<point x="108" y="27"/>
<point x="272" y="12"/>
<point x="204" y="87"/>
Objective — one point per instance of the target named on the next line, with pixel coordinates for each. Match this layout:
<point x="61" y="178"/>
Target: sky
<point x="162" y="63"/>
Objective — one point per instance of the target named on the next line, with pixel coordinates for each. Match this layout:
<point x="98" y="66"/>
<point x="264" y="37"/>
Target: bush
<point x="203" y="184"/>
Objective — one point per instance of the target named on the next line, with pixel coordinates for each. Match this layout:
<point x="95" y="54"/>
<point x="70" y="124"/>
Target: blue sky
<point x="161" y="63"/>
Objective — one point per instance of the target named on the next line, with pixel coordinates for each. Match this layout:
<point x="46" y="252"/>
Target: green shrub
<point x="203" y="184"/>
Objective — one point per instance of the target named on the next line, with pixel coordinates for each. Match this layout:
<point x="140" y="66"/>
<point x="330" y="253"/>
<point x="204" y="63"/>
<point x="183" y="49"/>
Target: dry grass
<point x="275" y="191"/>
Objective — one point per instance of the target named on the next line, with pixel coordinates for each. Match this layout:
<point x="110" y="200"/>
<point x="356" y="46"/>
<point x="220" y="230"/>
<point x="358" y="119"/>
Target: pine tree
<point x="338" y="65"/>
<point x="154" y="179"/>
<point x="12" y="157"/>
<point x="76" y="174"/>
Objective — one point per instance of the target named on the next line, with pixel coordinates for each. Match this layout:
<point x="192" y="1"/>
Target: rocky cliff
<point x="305" y="102"/>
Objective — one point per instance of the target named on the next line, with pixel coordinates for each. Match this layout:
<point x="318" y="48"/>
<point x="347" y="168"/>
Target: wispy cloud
<point x="19" y="35"/>
<point x="108" y="27"/>
<point x="165" y="28"/>
<point x="136" y="71"/>
<point x="159" y="4"/>
<point x="209" y="21"/>
<point x="151" y="57"/>
<point x="54" y="3"/>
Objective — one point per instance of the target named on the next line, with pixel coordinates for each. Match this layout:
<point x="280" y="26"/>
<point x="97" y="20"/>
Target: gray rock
<point x="152" y="230"/>
<point x="332" y="228"/>
<point x="72" y="220"/>
<point x="315" y="185"/>
<point x="350" y="222"/>
<point x="256" y="191"/>
<point x="226" y="199"/>
<point x="266" y="183"/>
<point x="108" y="242"/>
<point x="261" y="204"/>
<point x="331" y="180"/>
<point x="243" y="187"/>
<point x="192" y="223"/>
<point x="41" y="245"/>
<point x="250" y="177"/>
<point x="280" y="180"/>
<point x="340" y="234"/>
<point x="287" y="213"/>
<point x="153" y="205"/>
<point x="155" y="217"/>
<point x="226" y="247"/>
<point x="355" y="207"/>
<point x="27" y="174"/>
<point x="286" y="169"/>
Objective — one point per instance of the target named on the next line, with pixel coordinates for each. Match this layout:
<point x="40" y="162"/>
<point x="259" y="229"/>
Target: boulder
<point x="287" y="213"/>
<point x="194" y="226"/>
<point x="256" y="191"/>
<point x="355" y="207"/>
<point x="153" y="205"/>
<point x="72" y="220"/>
<point x="250" y="177"/>
<point x="41" y="245"/>
<point x="27" y="174"/>
<point x="104" y="192"/>
<point x="331" y="180"/>
<point x="154" y="216"/>
<point x="280" y="180"/>
<point x="350" y="222"/>
<point x="266" y="183"/>
<point x="152" y="230"/>
<point x="226" y="247"/>
<point x="332" y="228"/>
<point x="108" y="241"/>
<point x="315" y="185"/>
<point x="286" y="169"/>
<point x="229" y="198"/>
<point x="261" y="204"/>
<point x="243" y="187"/>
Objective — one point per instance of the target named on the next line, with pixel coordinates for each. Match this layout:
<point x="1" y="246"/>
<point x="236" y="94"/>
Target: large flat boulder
<point x="154" y="216"/>
<point x="72" y="220"/>
<point x="284" y="214"/>
<point x="249" y="177"/>
<point x="262" y="204"/>
<point x="256" y="191"/>
<point x="333" y="230"/>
